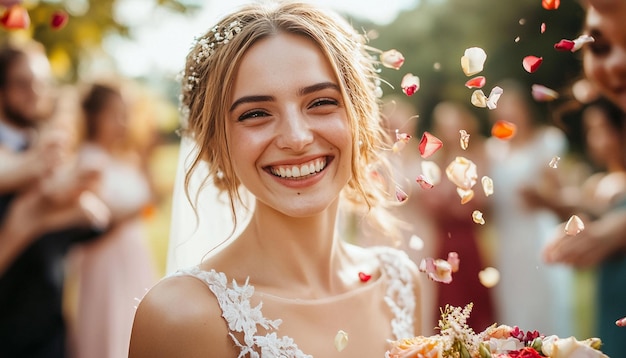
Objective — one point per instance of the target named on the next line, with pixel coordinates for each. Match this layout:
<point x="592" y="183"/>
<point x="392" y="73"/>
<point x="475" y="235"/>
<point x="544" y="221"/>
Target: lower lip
<point x="304" y="182"/>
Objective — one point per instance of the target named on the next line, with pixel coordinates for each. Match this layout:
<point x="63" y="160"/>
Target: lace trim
<point x="400" y="295"/>
<point x="241" y="317"/>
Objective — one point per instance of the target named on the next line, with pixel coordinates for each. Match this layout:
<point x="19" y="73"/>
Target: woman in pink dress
<point x="116" y="270"/>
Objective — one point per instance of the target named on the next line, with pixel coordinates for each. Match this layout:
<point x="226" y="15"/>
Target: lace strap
<point x="400" y="295"/>
<point x="241" y="317"/>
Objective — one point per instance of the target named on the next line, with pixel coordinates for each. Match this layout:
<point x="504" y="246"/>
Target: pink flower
<point x="392" y="59"/>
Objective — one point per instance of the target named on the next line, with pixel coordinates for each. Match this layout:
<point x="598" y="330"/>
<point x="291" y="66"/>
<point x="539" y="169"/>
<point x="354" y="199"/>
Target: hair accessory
<point x="218" y="35"/>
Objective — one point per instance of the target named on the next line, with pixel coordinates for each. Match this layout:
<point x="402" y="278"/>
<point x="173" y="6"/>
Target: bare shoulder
<point x="179" y="317"/>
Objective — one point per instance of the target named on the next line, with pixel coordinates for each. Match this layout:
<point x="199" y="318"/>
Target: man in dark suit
<point x="36" y="228"/>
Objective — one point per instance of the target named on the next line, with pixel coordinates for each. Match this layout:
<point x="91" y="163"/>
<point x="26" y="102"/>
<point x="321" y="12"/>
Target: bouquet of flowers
<point x="457" y="340"/>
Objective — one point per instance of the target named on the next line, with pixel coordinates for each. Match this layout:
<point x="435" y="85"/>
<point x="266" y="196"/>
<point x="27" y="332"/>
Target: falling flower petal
<point x="440" y="270"/>
<point x="494" y="96"/>
<point x="464" y="140"/>
<point x="436" y="66"/>
<point x="550" y="4"/>
<point x="522" y="21"/>
<point x="580" y="41"/>
<point x="466" y="195"/>
<point x="462" y="172"/>
<point x="517" y="39"/>
<point x="574" y="226"/>
<point x="564" y="45"/>
<point x="543" y="27"/>
<point x="621" y="322"/>
<point x="544" y="94"/>
<point x="532" y="63"/>
<point x="364" y="277"/>
<point x="410" y="84"/>
<point x="401" y="196"/>
<point x="476" y="82"/>
<point x="401" y="140"/>
<point x="15" y="17"/>
<point x="489" y="277"/>
<point x="479" y="99"/>
<point x="473" y="60"/>
<point x="487" y="183"/>
<point x="429" y="144"/>
<point x="392" y="59"/>
<point x="477" y="216"/>
<point x="424" y="182"/>
<point x="503" y="129"/>
<point x="58" y="20"/>
<point x="454" y="261"/>
<point x="416" y="243"/>
<point x="554" y="162"/>
<point x="431" y="171"/>
<point x="341" y="340"/>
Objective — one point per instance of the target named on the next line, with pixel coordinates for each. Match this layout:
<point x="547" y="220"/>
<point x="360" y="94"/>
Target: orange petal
<point x="550" y="4"/>
<point x="429" y="144"/>
<point x="503" y="129"/>
<point x="466" y="195"/>
<point x="15" y="17"/>
<point x="532" y="63"/>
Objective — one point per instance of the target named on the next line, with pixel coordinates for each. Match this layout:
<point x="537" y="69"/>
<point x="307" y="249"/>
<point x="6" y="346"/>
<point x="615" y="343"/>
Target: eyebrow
<point x="301" y="92"/>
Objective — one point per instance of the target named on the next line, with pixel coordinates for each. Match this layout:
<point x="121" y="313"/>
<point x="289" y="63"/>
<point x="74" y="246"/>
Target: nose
<point x="294" y="131"/>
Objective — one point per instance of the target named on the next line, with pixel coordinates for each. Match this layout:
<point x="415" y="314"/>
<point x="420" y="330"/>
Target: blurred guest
<point x="456" y="230"/>
<point x="530" y="294"/>
<point x="45" y="208"/>
<point x="116" y="270"/>
<point x="602" y="243"/>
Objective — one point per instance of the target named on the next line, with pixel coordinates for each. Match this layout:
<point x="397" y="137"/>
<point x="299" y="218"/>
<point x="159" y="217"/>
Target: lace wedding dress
<point x="256" y="330"/>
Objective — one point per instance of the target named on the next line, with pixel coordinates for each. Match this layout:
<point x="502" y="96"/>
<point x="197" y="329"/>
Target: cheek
<point x="594" y="70"/>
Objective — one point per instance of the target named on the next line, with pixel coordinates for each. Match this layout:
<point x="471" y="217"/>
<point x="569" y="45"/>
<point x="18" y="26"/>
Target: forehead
<point x="608" y="17"/>
<point x="280" y="60"/>
<point x="31" y="65"/>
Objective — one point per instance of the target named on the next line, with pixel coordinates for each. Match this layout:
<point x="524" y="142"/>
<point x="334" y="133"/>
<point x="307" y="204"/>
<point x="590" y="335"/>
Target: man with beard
<point x="42" y="212"/>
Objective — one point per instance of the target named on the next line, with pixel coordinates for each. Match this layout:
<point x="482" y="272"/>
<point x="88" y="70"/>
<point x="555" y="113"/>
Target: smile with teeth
<point x="301" y="170"/>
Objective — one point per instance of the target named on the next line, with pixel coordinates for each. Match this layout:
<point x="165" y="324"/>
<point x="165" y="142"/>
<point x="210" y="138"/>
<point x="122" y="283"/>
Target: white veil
<point x="193" y="236"/>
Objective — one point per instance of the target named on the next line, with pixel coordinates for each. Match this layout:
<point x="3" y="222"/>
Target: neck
<point x="301" y="252"/>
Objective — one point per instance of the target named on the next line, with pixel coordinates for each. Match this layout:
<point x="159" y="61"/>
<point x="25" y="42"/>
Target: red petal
<point x="58" y="20"/>
<point x="15" y="17"/>
<point x="429" y="144"/>
<point x="532" y="63"/>
<point x="564" y="45"/>
<point x="476" y="82"/>
<point x="503" y="129"/>
<point x="550" y="4"/>
<point x="364" y="277"/>
<point x="409" y="90"/>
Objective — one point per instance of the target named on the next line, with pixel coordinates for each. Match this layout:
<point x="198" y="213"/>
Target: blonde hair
<point x="209" y="77"/>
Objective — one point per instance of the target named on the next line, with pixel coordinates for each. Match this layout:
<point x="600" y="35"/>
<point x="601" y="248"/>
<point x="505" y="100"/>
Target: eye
<point x="599" y="47"/>
<point x="252" y="114"/>
<point x="324" y="102"/>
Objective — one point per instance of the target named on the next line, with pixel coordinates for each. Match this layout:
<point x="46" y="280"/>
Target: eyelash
<point x="599" y="48"/>
<point x="252" y="114"/>
<point x="324" y="102"/>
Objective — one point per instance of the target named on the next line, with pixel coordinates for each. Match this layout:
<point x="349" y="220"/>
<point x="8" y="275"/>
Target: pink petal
<point x="410" y="84"/>
<point x="401" y="196"/>
<point x="454" y="261"/>
<point x="543" y="94"/>
<point x="574" y="226"/>
<point x="532" y="63"/>
<point x="437" y="270"/>
<point x="476" y="82"/>
<point x="543" y="27"/>
<point x="429" y="144"/>
<point x="392" y="59"/>
<point x="401" y="140"/>
<point x="424" y="182"/>
<point x="564" y="45"/>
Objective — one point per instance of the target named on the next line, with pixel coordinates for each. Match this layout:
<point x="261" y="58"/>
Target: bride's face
<point x="288" y="134"/>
